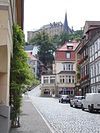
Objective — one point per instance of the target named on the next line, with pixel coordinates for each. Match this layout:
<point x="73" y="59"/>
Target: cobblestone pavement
<point x="65" y="119"/>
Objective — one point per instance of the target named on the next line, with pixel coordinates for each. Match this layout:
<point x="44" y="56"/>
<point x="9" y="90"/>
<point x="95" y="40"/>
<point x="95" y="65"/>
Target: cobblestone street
<point x="64" y="119"/>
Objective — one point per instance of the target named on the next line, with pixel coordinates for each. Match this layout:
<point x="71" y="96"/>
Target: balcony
<point x="83" y="59"/>
<point x="84" y="78"/>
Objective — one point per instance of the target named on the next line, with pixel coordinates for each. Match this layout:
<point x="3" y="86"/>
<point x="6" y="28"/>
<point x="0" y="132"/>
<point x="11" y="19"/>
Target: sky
<point x="41" y="12"/>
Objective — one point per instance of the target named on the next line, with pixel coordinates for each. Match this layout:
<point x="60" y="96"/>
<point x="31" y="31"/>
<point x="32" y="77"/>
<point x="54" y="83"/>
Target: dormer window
<point x="68" y="55"/>
<point x="69" y="47"/>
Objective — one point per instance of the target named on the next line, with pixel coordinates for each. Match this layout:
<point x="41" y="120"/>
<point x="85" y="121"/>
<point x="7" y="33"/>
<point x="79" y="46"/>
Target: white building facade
<point x="64" y="70"/>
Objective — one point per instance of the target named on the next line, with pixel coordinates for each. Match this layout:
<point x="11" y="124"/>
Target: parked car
<point x="91" y="102"/>
<point x="64" y="98"/>
<point x="76" y="101"/>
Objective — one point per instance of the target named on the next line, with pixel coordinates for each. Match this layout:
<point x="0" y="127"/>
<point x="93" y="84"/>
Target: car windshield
<point x="79" y="97"/>
<point x="64" y="96"/>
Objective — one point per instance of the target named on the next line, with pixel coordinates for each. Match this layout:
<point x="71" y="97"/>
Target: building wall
<point x="6" y="50"/>
<point x="64" y="82"/>
<point x="48" y="85"/>
<point x="59" y="65"/>
<point x="8" y="16"/>
<point x="94" y="63"/>
<point x="89" y="58"/>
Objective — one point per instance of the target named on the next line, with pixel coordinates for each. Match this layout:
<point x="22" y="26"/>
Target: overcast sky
<point x="41" y="12"/>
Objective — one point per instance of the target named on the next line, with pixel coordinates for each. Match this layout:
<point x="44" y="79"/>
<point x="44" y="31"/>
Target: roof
<point x="67" y="72"/>
<point x="32" y="57"/>
<point x="60" y="54"/>
<point x="54" y="24"/>
<point x="28" y="47"/>
<point x="20" y="12"/>
<point x="67" y="29"/>
<point x="90" y="25"/>
<point x="65" y="48"/>
<point x="48" y="74"/>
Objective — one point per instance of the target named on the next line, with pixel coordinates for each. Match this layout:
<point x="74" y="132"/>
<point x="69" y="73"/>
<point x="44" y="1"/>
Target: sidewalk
<point x="31" y="121"/>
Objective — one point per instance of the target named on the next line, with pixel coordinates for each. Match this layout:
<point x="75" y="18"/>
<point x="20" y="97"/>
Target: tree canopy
<point x="45" y="48"/>
<point x="64" y="37"/>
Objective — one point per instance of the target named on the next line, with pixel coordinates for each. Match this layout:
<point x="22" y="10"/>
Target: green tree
<point x="45" y="48"/>
<point x="77" y="35"/>
<point x="20" y="76"/>
<point x="59" y="40"/>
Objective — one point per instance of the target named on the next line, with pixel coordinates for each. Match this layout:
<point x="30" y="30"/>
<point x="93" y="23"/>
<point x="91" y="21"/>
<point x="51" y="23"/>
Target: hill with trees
<point x="47" y="45"/>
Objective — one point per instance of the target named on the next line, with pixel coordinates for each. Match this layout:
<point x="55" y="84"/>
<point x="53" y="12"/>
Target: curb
<point x="47" y="123"/>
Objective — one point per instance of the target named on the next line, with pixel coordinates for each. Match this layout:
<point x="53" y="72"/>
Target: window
<point x="73" y="79"/>
<point x="62" y="79"/>
<point x="99" y="43"/>
<point x="68" y="67"/>
<point x="69" y="47"/>
<point x="92" y="70"/>
<point x="96" y="46"/>
<point x="84" y="53"/>
<point x="99" y="67"/>
<point x="52" y="79"/>
<point x="64" y="67"/>
<point x="68" y="55"/>
<point x="45" y="79"/>
<point x="69" y="79"/>
<point x="90" y="51"/>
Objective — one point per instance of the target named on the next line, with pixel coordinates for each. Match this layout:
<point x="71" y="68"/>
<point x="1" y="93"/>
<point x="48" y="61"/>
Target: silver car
<point x="64" y="98"/>
<point x="76" y="101"/>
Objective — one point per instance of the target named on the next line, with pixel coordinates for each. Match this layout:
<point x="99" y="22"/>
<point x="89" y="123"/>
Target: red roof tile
<point x="65" y="48"/>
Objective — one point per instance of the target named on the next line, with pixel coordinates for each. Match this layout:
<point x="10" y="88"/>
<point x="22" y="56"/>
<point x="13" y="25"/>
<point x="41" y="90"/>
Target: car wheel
<point x="61" y="100"/>
<point x="90" y="109"/>
<point x="71" y="105"/>
<point x="75" y="106"/>
<point x="82" y="107"/>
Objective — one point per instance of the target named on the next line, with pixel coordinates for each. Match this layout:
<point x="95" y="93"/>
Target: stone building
<point x="52" y="29"/>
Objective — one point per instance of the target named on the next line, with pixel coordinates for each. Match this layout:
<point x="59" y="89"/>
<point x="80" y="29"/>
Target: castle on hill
<point x="52" y="29"/>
